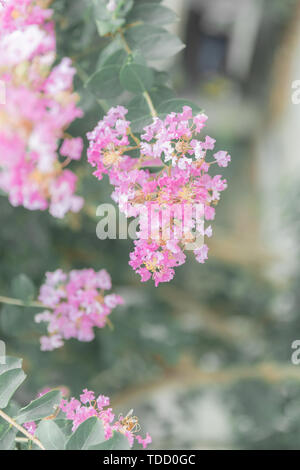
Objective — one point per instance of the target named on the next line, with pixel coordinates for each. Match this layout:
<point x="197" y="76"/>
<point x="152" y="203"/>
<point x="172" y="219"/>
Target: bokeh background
<point x="205" y="360"/>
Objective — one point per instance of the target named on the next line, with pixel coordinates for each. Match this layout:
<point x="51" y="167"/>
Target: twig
<point x="21" y="429"/>
<point x="150" y="104"/>
<point x="20" y="303"/>
<point x="145" y="94"/>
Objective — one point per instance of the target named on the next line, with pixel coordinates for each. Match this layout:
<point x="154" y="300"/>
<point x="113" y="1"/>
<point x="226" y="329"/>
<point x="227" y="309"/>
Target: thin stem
<point x="66" y="162"/>
<point x="103" y="104"/>
<point x="81" y="73"/>
<point x="19" y="303"/>
<point x="21" y="439"/>
<point x="136" y="140"/>
<point x="125" y="43"/>
<point x="126" y="149"/>
<point x="150" y="104"/>
<point x="110" y="324"/>
<point x="145" y="94"/>
<point x="13" y="423"/>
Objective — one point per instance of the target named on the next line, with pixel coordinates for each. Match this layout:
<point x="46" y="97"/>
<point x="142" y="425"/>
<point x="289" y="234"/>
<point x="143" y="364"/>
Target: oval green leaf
<point x="105" y="83"/>
<point x="136" y="77"/>
<point x="89" y="433"/>
<point x="40" y="408"/>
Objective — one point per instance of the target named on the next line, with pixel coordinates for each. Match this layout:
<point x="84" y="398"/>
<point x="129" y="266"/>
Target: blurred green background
<point x="205" y="360"/>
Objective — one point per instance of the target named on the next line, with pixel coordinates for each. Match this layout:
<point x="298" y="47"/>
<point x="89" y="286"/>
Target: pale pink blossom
<point x="222" y="158"/>
<point x="76" y="304"/>
<point x="40" y="105"/>
<point x="182" y="193"/>
<point x="31" y="427"/>
<point x="78" y="412"/>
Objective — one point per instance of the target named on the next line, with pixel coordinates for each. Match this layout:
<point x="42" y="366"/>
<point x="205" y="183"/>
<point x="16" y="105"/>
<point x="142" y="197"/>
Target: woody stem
<point x="13" y="423"/>
<point x="19" y="303"/>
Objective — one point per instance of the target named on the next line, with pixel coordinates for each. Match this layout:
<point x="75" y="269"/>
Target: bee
<point x="130" y="423"/>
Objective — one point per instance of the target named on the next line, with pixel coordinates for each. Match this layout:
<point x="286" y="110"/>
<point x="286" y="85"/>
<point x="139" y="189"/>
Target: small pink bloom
<point x="145" y="441"/>
<point x="87" y="396"/>
<point x="72" y="148"/>
<point x="201" y="254"/>
<point x="222" y="158"/>
<point x="31" y="427"/>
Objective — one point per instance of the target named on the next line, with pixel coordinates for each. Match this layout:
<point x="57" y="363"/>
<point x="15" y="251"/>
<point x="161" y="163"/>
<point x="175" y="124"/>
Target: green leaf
<point x="109" y="22"/>
<point x="117" y="442"/>
<point x="89" y="433"/>
<point x="50" y="435"/>
<point x="149" y="13"/>
<point x="136" y="77"/>
<point x="139" y="119"/>
<point x="23" y="288"/>
<point x="124" y="7"/>
<point x="65" y="425"/>
<point x="40" y="408"/>
<point x="10" y="363"/>
<point x="7" y="439"/>
<point x="7" y="432"/>
<point x="158" y="94"/>
<point x="109" y="50"/>
<point x="147" y="1"/>
<point x="175" y="105"/>
<point x="109" y="26"/>
<point x="161" y="78"/>
<point x="105" y="21"/>
<point x="9" y="382"/>
<point x="155" y="43"/>
<point x="105" y="83"/>
<point x="116" y="58"/>
<point x="139" y="114"/>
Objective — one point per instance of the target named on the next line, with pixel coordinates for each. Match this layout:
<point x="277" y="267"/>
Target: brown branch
<point x="20" y="303"/>
<point x="21" y="429"/>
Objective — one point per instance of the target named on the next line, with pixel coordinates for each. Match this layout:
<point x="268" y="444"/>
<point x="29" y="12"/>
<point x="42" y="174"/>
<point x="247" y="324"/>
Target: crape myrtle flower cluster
<point x="89" y="405"/>
<point x="40" y="106"/>
<point x="76" y="303"/>
<point x="79" y="411"/>
<point x="166" y="171"/>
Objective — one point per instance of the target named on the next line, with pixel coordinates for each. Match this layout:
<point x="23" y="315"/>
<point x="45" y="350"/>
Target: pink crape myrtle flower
<point x="79" y="411"/>
<point x="145" y="441"/>
<point x="40" y="105"/>
<point x="31" y="427"/>
<point x="75" y="304"/>
<point x="172" y="203"/>
<point x="90" y="405"/>
<point x="72" y="148"/>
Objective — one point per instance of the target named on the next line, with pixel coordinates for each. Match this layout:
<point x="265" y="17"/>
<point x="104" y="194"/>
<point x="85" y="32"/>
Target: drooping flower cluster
<point x="39" y="106"/>
<point x="79" y="411"/>
<point x="76" y="303"/>
<point x="174" y="201"/>
<point x="89" y="405"/>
